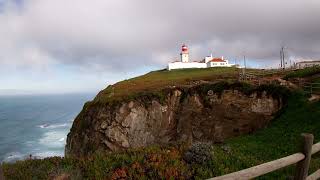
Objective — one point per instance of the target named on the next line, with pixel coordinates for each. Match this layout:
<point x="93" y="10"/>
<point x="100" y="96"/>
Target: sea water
<point x="37" y="125"/>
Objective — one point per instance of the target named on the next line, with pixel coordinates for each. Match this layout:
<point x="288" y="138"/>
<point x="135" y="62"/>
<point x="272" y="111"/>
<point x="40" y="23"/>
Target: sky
<point x="59" y="46"/>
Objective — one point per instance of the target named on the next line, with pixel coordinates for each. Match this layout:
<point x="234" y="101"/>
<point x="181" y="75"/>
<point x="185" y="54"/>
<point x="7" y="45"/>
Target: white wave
<point x="48" y="154"/>
<point x="13" y="156"/>
<point x="55" y="139"/>
<point x="43" y="126"/>
<point x="29" y="143"/>
<point x="53" y="126"/>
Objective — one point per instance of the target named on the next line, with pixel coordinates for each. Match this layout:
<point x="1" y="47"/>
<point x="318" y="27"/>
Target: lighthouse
<point x="184" y="54"/>
<point x="207" y="62"/>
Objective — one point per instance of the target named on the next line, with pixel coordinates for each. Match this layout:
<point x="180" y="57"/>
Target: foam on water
<point x="53" y="126"/>
<point x="13" y="156"/>
<point x="37" y="125"/>
<point x="54" y="138"/>
<point x="48" y="154"/>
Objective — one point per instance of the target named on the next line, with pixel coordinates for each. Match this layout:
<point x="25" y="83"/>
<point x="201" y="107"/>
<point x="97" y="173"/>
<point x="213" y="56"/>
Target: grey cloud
<point x="123" y="34"/>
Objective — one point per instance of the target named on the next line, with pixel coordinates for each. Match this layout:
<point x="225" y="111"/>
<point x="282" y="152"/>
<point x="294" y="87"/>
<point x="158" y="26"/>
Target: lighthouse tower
<point x="184" y="54"/>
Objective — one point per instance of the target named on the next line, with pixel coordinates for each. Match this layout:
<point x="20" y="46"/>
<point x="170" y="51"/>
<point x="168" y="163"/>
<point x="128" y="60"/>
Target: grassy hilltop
<point x="157" y="80"/>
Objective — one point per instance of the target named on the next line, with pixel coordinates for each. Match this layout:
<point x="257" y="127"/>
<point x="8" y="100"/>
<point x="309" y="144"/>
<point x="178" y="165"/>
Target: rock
<point x="116" y="135"/>
<point x="314" y="98"/>
<point x="111" y="145"/>
<point x="104" y="125"/>
<point x="183" y="116"/>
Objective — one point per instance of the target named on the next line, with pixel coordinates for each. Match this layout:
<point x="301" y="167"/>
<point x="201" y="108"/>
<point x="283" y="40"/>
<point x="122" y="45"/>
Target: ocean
<point x="37" y="125"/>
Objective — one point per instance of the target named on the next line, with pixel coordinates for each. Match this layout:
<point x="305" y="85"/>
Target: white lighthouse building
<point x="207" y="62"/>
<point x="184" y="54"/>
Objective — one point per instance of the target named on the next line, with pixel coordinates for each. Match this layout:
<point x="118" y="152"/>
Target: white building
<point x="304" y="64"/>
<point x="184" y="54"/>
<point x="208" y="61"/>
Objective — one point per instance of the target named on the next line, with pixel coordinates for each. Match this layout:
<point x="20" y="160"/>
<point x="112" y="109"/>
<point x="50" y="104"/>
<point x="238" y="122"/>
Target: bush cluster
<point x="303" y="72"/>
<point x="199" y="153"/>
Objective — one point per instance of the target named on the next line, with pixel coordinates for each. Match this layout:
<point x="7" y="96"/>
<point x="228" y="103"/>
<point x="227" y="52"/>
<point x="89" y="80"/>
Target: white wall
<point x="302" y="65"/>
<point x="207" y="59"/>
<point x="184" y="57"/>
<point x="219" y="64"/>
<point x="181" y="65"/>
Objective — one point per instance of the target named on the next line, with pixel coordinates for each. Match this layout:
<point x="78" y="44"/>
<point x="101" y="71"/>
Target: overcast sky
<point x="80" y="45"/>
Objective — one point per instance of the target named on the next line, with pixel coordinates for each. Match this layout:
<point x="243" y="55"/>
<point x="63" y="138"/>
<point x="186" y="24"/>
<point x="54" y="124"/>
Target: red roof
<point x="184" y="48"/>
<point x="217" y="60"/>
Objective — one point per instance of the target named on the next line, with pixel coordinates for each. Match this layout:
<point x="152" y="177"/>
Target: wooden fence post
<point x="302" y="167"/>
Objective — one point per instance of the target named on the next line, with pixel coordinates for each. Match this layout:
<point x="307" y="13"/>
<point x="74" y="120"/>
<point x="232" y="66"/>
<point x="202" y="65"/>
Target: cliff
<point x="200" y="112"/>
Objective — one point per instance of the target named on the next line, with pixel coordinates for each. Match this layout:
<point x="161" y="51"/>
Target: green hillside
<point x="157" y="80"/>
<point x="301" y="73"/>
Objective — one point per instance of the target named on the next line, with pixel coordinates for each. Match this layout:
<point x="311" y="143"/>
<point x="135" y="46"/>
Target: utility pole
<point x="245" y="66"/>
<point x="284" y="63"/>
<point x="281" y="58"/>
<point x="282" y="54"/>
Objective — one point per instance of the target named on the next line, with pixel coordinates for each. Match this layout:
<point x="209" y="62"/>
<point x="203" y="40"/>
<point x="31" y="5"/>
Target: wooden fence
<point x="254" y="78"/>
<point x="301" y="159"/>
<point x="307" y="86"/>
<point x="249" y="75"/>
<point x="311" y="88"/>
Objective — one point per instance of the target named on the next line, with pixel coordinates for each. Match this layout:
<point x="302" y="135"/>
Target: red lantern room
<point x="184" y="54"/>
<point x="184" y="48"/>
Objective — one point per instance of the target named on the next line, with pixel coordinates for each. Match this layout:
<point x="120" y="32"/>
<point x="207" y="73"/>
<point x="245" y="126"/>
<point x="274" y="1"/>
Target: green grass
<point x="146" y="163"/>
<point x="152" y="83"/>
<point x="301" y="73"/>
<point x="279" y="139"/>
<point x="158" y="80"/>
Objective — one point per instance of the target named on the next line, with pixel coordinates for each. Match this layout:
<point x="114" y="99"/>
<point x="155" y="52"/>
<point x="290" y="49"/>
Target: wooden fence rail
<point x="302" y="159"/>
<point x="311" y="88"/>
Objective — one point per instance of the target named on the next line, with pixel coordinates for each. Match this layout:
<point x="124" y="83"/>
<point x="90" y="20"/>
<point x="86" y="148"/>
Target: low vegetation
<point x="153" y="84"/>
<point x="158" y="80"/>
<point x="301" y="73"/>
<point x="279" y="139"/>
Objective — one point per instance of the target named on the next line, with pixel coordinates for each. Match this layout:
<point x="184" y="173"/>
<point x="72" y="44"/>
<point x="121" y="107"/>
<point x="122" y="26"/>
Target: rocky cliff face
<point x="182" y="115"/>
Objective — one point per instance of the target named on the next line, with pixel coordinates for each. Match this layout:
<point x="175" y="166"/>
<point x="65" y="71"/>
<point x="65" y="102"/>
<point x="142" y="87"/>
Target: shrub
<point x="199" y="153"/>
<point x="303" y="72"/>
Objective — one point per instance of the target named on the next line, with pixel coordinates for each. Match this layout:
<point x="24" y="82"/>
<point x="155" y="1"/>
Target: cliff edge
<point x="204" y="111"/>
